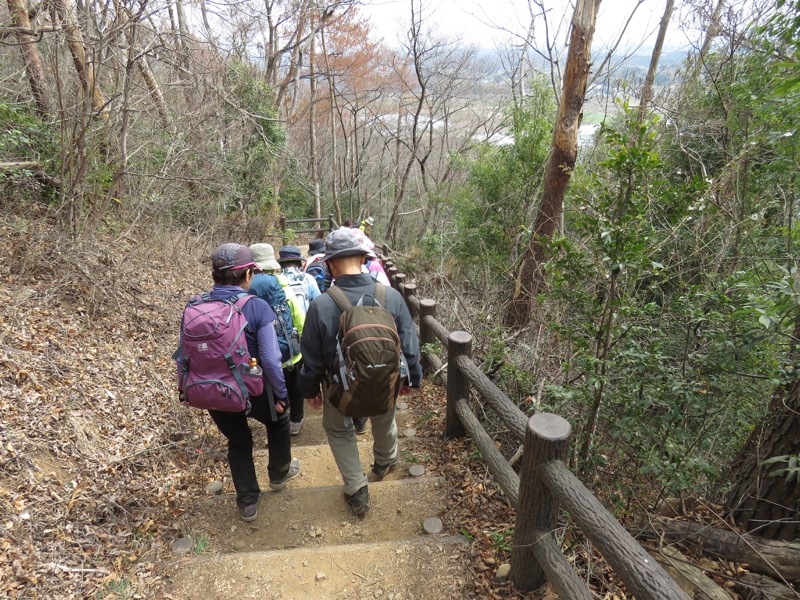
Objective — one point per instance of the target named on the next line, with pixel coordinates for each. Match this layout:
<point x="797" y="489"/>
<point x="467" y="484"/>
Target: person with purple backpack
<point x="232" y="271"/>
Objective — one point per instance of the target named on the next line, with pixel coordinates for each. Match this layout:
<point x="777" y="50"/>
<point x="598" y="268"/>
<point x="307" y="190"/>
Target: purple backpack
<point x="214" y="363"/>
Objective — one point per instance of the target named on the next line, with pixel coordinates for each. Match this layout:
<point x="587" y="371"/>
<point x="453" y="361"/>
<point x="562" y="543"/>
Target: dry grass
<point x="97" y="456"/>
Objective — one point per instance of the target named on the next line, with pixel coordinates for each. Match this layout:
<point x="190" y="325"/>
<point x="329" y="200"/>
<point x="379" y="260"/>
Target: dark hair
<point x="347" y="223"/>
<point x="228" y="276"/>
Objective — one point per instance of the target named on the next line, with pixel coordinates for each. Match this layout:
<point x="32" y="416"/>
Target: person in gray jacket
<point x="344" y="257"/>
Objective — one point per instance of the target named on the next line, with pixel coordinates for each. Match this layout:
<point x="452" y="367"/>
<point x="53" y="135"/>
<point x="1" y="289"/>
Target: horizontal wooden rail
<point x="329" y="221"/>
<point x="512" y="416"/>
<point x="545" y="486"/>
<point x="437" y="329"/>
<point x="641" y="573"/>
<point x="558" y="571"/>
<point x="498" y="466"/>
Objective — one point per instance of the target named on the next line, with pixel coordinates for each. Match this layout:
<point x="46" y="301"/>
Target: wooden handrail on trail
<point x="317" y="228"/>
<point x="545" y="485"/>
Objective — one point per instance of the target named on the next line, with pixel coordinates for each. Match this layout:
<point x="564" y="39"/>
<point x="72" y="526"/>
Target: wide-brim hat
<point x="290" y="254"/>
<point x="343" y="242"/>
<point x="264" y="257"/>
<point x="316" y="246"/>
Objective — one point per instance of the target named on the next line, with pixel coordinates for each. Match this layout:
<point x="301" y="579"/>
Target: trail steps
<point x="306" y="544"/>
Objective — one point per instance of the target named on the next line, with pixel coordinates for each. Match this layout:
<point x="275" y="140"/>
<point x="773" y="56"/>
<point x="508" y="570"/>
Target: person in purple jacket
<point x="232" y="271"/>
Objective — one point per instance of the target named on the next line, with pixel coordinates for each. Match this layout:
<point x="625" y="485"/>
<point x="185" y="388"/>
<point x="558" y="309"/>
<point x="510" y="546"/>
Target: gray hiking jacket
<point x="318" y="344"/>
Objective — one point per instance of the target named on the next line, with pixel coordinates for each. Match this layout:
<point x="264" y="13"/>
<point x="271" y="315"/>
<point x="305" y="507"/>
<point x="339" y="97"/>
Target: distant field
<point x="593" y="118"/>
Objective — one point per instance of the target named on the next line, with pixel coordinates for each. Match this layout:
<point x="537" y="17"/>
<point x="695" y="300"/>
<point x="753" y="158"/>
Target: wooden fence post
<point x="331" y="222"/>
<point x="546" y="439"/>
<point x="400" y="283"/>
<point x="409" y="291"/>
<point x="282" y="225"/>
<point x="427" y="308"/>
<point x="459" y="344"/>
<point x="392" y="273"/>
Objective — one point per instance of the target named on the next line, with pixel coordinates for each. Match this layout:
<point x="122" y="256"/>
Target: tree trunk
<point x="711" y="32"/>
<point x="647" y="90"/>
<point x="334" y="110"/>
<point x="560" y="163"/>
<point x="83" y="67"/>
<point x="154" y="89"/>
<point x="30" y="55"/>
<point x="762" y="500"/>
<point x="312" y="124"/>
<point x="779" y="560"/>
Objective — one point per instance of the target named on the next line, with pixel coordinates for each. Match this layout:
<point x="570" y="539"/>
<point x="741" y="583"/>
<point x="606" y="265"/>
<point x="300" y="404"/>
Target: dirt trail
<point x="306" y="543"/>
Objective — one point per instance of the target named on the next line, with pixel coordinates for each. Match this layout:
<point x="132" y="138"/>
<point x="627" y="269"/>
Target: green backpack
<point x="365" y="380"/>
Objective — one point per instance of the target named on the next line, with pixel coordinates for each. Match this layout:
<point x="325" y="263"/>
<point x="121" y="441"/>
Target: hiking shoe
<point x="295" y="427"/>
<point x="249" y="512"/>
<point x="360" y="423"/>
<point x="383" y="470"/>
<point x="294" y="471"/>
<point x="359" y="502"/>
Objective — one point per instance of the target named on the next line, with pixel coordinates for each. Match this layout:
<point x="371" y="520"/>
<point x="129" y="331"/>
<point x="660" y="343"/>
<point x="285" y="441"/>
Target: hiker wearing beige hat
<point x="273" y="287"/>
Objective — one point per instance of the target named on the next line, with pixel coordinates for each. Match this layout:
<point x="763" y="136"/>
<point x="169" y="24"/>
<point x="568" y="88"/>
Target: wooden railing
<point x="545" y="486"/>
<point x="321" y="225"/>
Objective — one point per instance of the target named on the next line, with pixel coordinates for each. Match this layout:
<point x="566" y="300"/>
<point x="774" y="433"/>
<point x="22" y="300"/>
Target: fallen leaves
<point x="95" y="461"/>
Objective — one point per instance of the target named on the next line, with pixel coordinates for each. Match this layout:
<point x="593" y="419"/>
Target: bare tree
<point x="437" y="75"/>
<point x="34" y="69"/>
<point x="83" y="66"/>
<point x="312" y="126"/>
<point x="647" y="90"/>
<point x="560" y="163"/>
<point x="711" y="32"/>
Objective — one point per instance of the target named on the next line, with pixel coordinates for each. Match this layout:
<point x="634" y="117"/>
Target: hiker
<point x="315" y="266"/>
<point x="366" y="225"/>
<point x="375" y="269"/>
<point x="272" y="287"/>
<point x="372" y="264"/>
<point x="232" y="269"/>
<point x="344" y="257"/>
<point x="303" y="285"/>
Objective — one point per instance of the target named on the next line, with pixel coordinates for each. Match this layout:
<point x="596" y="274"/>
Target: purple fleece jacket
<point x="262" y="341"/>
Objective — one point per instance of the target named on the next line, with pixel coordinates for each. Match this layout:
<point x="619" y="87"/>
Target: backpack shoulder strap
<point x="340" y="298"/>
<point x="198" y="299"/>
<point x="380" y="294"/>
<point x="241" y="299"/>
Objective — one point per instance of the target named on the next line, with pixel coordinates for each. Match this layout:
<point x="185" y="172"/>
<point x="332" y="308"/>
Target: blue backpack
<point x="269" y="288"/>
<point x="317" y="271"/>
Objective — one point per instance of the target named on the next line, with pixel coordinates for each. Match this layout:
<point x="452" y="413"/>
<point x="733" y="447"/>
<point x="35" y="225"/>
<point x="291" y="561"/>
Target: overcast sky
<point x="490" y="22"/>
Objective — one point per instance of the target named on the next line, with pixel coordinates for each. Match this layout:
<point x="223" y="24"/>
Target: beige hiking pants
<point x="342" y="439"/>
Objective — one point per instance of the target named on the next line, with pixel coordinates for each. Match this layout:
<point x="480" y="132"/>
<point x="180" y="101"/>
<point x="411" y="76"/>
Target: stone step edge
<point x="328" y="549"/>
<point x="335" y="488"/>
<point x="363" y="443"/>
